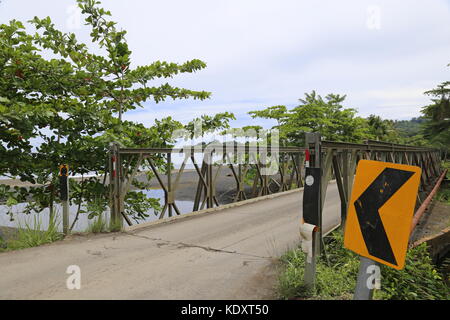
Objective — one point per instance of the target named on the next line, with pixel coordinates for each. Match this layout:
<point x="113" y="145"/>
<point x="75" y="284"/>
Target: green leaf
<point x="11" y="201"/>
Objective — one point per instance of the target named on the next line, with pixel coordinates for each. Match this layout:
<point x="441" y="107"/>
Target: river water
<point x="82" y="224"/>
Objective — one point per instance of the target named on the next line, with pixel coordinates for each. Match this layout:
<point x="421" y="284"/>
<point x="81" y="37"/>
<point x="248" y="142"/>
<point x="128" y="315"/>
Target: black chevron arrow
<point x="367" y="205"/>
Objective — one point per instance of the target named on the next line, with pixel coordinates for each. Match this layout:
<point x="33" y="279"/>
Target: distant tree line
<point x="335" y="122"/>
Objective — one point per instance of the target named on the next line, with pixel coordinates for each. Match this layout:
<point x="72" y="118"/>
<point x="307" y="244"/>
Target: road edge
<point x="211" y="210"/>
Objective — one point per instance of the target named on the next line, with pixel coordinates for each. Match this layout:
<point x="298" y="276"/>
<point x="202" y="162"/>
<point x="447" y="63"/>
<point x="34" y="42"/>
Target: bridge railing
<point x="339" y="160"/>
<point x="256" y="171"/>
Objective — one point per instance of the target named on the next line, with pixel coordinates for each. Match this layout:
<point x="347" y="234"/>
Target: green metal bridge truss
<point x="338" y="160"/>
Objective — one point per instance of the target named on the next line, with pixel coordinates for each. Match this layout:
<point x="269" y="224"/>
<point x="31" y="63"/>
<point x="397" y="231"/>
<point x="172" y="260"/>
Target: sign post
<point x="311" y="228"/>
<point x="64" y="195"/>
<point x="364" y="284"/>
<point x="379" y="218"/>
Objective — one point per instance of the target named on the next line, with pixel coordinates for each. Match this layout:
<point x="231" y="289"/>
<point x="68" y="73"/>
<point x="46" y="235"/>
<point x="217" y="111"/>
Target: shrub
<point x="337" y="273"/>
<point x="33" y="235"/>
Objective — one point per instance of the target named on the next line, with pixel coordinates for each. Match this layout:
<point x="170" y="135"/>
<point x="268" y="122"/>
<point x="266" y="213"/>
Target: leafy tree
<point x="410" y="131"/>
<point x="382" y="129"/>
<point x="437" y="129"/>
<point x="68" y="108"/>
<point x="278" y="113"/>
<point x="409" y="128"/>
<point x="416" y="140"/>
<point x="325" y="115"/>
<point x="378" y="127"/>
<point x="208" y="124"/>
<point x="255" y="133"/>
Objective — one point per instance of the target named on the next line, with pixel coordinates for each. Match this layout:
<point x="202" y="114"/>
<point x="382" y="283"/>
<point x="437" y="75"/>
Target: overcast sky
<point x="382" y="54"/>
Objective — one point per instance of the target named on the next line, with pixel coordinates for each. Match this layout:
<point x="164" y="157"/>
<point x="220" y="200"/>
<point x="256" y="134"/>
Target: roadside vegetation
<point x="444" y="192"/>
<point x="72" y="99"/>
<point x="32" y="235"/>
<point x="337" y="272"/>
<point x="99" y="225"/>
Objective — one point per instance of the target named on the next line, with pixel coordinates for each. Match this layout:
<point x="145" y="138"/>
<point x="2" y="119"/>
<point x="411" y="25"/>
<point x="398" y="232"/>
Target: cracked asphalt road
<point x="229" y="254"/>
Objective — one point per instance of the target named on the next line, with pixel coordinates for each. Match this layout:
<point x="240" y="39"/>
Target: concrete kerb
<point x="210" y="210"/>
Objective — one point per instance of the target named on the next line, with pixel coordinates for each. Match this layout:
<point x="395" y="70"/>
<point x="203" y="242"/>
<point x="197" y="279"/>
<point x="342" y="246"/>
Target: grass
<point x="336" y="276"/>
<point x="444" y="269"/>
<point x="446" y="165"/>
<point x="419" y="280"/>
<point x="32" y="235"/>
<point x="335" y="280"/>
<point x="99" y="225"/>
<point x="3" y="244"/>
<point x="444" y="195"/>
<point x="444" y="192"/>
<point x="115" y="226"/>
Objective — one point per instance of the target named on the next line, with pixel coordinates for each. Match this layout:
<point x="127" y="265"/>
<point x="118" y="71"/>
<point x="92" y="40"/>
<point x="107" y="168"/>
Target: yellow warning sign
<point x="380" y="211"/>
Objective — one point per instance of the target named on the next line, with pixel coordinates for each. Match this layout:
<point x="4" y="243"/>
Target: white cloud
<point x="261" y="53"/>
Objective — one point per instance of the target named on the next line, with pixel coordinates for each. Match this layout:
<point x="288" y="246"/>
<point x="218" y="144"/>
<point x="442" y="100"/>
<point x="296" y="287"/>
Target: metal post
<point x="341" y="188"/>
<point x="121" y="192"/>
<point x="115" y="197"/>
<point x="210" y="181"/>
<point x="309" y="279"/>
<point x="51" y="205"/>
<point x="201" y="172"/>
<point x="312" y="204"/>
<point x="299" y="164"/>
<point x="313" y="141"/>
<point x="65" y="205"/>
<point x="169" y="199"/>
<point x="368" y="272"/>
<point x="64" y="195"/>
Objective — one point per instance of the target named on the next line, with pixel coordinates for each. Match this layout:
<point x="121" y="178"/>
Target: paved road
<point x="228" y="254"/>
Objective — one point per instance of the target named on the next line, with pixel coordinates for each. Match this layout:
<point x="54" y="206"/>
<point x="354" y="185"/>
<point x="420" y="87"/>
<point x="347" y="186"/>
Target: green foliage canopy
<point x="316" y="114"/>
<point x="62" y="102"/>
<point x="437" y="129"/>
